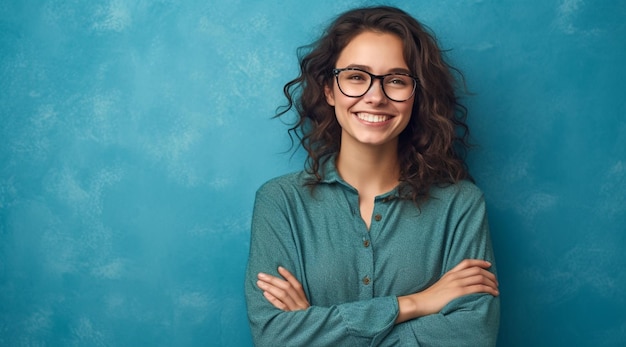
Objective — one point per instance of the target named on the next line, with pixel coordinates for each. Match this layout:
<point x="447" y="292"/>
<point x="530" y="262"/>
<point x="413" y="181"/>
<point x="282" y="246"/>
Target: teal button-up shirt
<point x="352" y="276"/>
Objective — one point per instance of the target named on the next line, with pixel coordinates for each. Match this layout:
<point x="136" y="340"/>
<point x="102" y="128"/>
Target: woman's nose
<point x="376" y="94"/>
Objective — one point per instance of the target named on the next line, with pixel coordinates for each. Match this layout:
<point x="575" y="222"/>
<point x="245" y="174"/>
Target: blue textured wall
<point x="134" y="134"/>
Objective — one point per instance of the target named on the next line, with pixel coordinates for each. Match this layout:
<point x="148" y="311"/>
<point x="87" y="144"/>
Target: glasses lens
<point x="398" y="87"/>
<point x="355" y="83"/>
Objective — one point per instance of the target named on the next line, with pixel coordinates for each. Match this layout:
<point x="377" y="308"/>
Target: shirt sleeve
<point x="359" y="323"/>
<point x="471" y="320"/>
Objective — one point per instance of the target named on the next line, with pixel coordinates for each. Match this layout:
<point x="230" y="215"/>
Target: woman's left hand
<point x="284" y="293"/>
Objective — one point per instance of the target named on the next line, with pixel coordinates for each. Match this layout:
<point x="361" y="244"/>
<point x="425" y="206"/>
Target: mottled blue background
<point x="134" y="134"/>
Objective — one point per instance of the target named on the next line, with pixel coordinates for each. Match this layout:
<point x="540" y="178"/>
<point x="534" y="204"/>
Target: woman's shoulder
<point x="290" y="181"/>
<point x="463" y="189"/>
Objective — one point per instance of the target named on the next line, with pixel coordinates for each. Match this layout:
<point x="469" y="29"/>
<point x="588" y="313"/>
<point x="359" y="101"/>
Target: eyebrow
<point x="367" y="68"/>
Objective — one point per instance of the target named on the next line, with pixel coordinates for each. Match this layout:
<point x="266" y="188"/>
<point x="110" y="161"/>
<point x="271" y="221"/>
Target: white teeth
<point x="372" y="118"/>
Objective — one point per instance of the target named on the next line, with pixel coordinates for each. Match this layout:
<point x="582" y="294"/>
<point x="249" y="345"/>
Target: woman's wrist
<point x="407" y="308"/>
<point x="412" y="306"/>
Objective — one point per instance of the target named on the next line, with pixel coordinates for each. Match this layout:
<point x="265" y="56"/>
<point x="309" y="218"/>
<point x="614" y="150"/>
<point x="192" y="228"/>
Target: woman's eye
<point x="397" y="82"/>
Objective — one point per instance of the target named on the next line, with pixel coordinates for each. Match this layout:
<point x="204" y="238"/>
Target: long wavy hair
<point x="431" y="149"/>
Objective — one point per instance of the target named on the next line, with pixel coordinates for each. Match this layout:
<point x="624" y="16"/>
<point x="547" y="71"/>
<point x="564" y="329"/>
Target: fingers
<point x="475" y="272"/>
<point x="292" y="280"/>
<point x="277" y="291"/>
<point x="285" y="294"/>
<point x="296" y="290"/>
<point x="470" y="267"/>
<point x="480" y="283"/>
<point x="471" y="276"/>
<point x="467" y="263"/>
<point x="275" y="301"/>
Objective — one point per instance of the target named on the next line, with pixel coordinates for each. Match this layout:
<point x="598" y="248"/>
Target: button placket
<point x="366" y="267"/>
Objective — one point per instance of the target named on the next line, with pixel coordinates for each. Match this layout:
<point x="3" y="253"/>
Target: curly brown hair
<point x="431" y="148"/>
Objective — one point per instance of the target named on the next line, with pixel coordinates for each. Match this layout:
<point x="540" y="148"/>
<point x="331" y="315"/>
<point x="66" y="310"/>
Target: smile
<point x="373" y="118"/>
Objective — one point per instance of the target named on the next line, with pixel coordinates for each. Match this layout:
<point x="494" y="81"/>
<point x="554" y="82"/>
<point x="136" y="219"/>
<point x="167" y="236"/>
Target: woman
<point x="382" y="240"/>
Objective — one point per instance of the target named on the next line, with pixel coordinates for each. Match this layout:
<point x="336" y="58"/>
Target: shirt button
<point x="366" y="280"/>
<point x="378" y="217"/>
<point x="366" y="243"/>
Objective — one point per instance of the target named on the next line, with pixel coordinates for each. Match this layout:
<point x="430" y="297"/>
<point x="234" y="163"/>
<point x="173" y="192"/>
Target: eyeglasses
<point x="355" y="83"/>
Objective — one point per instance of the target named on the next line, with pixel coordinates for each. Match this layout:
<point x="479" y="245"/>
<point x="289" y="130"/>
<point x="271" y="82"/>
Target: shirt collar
<point x="330" y="175"/>
<point x="329" y="171"/>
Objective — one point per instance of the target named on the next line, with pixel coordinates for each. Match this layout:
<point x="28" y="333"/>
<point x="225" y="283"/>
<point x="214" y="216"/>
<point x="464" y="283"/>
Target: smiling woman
<point x="382" y="239"/>
<point x="371" y="117"/>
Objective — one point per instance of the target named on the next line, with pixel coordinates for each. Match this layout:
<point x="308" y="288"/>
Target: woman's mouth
<point x="372" y="118"/>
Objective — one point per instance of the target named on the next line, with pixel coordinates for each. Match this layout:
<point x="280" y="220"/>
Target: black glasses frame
<point x="375" y="77"/>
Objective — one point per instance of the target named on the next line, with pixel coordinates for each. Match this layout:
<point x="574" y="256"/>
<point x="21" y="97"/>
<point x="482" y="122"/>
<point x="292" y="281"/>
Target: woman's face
<point x="372" y="119"/>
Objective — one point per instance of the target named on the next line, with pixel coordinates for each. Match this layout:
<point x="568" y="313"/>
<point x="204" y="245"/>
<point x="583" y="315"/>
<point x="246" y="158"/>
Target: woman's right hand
<point x="285" y="294"/>
<point x="470" y="276"/>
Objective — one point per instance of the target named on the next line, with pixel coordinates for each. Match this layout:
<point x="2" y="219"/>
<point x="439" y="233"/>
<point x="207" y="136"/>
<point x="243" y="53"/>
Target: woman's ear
<point x="330" y="96"/>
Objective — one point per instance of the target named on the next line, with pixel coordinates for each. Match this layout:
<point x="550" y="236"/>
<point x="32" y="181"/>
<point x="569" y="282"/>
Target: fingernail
<point x="262" y="275"/>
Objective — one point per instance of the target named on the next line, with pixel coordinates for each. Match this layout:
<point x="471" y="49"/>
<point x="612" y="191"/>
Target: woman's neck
<point x="372" y="170"/>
